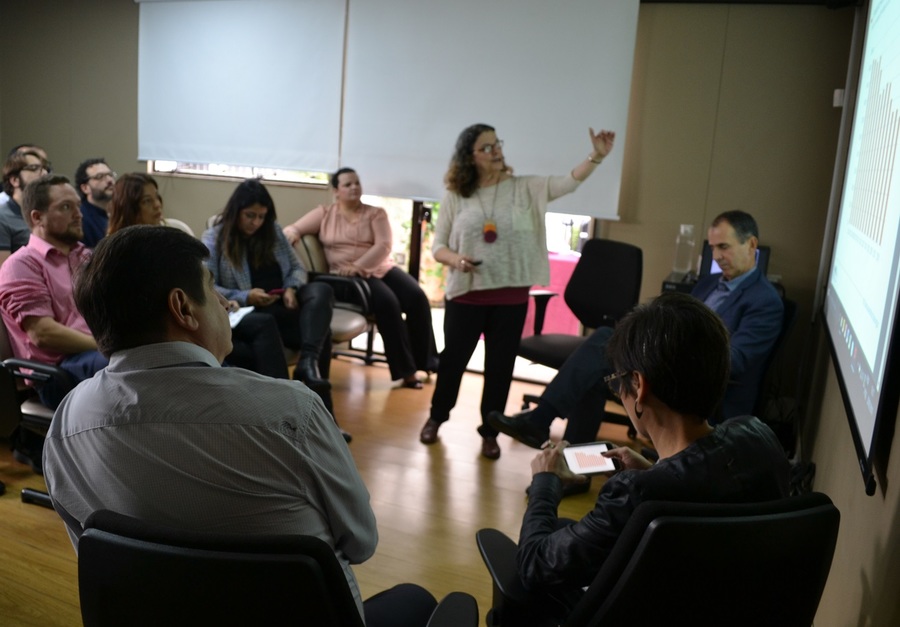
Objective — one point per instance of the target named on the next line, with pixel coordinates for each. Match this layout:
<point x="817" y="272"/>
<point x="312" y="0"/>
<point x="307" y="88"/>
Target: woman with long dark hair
<point x="490" y="233"/>
<point x="135" y="200"/>
<point x="253" y="264"/>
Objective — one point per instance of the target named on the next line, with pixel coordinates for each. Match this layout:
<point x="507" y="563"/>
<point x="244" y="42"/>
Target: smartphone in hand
<point x="276" y="292"/>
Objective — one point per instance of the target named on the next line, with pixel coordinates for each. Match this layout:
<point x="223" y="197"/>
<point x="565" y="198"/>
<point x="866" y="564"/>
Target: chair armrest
<point x="541" y="300"/>
<point x="457" y="609"/>
<point x="350" y="292"/>
<point x="40" y="372"/>
<point x="499" y="554"/>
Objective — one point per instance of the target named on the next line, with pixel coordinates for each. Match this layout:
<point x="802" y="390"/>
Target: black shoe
<point x="307" y="370"/>
<point x="347" y="437"/>
<point x="520" y="427"/>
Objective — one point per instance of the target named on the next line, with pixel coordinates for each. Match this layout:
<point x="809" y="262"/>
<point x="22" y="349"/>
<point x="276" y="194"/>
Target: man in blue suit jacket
<point x="748" y="304"/>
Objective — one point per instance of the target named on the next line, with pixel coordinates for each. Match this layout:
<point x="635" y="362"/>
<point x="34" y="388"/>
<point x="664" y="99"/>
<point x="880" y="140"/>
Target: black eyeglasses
<point x="612" y="381"/>
<point x="35" y="167"/>
<point x="102" y="175"/>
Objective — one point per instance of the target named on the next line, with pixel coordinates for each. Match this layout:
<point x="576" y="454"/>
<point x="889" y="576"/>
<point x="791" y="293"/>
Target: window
<point x="238" y="171"/>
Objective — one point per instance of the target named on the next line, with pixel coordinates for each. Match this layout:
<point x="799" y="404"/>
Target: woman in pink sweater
<point x="357" y="241"/>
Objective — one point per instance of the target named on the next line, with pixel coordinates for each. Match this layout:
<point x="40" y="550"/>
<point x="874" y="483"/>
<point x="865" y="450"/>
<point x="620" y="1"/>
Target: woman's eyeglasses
<point x="614" y="383"/>
<point x="489" y="149"/>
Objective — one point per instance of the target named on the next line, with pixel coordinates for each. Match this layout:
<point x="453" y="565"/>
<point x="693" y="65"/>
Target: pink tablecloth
<point x="560" y="318"/>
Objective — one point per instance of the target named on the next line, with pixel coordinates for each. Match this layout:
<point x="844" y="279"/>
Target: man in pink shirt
<point x="36" y="301"/>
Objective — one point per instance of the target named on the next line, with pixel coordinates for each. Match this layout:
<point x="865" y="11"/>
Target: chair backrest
<point x="353" y="313"/>
<point x="178" y="224"/>
<point x="716" y="564"/>
<point x="606" y="282"/>
<point x="18" y="403"/>
<point x="10" y="412"/>
<point x="787" y="322"/>
<point x="311" y="254"/>
<point x="5" y="347"/>
<point x="131" y="572"/>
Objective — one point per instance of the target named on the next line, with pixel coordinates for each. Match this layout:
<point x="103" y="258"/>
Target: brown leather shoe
<point x="490" y="448"/>
<point x="429" y="432"/>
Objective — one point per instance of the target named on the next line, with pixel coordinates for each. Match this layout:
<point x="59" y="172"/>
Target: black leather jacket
<point x="741" y="461"/>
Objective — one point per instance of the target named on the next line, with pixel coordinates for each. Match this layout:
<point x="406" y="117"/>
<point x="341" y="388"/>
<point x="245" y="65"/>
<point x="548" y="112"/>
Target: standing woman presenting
<point x="491" y="234"/>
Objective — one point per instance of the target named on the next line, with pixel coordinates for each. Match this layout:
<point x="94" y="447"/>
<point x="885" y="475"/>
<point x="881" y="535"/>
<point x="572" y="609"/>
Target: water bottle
<point x="684" y="249"/>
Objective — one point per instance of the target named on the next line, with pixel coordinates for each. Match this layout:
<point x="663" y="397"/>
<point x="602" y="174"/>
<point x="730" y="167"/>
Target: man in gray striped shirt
<point x="166" y="434"/>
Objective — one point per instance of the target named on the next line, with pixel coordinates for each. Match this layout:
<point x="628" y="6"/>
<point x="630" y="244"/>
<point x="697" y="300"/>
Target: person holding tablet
<point x="671" y="364"/>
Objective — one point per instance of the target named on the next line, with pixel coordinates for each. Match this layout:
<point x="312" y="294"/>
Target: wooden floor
<point x="429" y="500"/>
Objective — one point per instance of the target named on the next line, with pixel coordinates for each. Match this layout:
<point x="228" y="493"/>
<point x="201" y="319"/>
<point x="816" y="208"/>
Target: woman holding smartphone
<point x="253" y="264"/>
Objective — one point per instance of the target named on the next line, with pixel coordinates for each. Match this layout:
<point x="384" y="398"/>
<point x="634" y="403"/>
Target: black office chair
<point x="745" y="564"/>
<point x="771" y="385"/>
<point x="134" y="573"/>
<point x="605" y="285"/>
<point x="20" y="406"/>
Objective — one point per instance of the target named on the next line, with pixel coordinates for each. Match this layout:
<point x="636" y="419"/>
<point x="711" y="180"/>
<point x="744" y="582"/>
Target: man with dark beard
<point x="95" y="182"/>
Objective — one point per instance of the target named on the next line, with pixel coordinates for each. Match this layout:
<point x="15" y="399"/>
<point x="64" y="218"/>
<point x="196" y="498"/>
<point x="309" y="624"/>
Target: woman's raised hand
<point x="602" y="142"/>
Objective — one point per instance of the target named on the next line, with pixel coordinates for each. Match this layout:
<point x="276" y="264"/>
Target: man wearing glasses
<point x="95" y="182"/>
<point x="20" y="168"/>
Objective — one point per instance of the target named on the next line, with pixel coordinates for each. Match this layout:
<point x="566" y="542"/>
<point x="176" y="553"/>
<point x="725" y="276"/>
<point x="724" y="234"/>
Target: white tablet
<point x="585" y="459"/>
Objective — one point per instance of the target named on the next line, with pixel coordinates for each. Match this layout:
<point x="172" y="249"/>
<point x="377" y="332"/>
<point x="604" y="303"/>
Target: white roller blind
<point x="541" y="72"/>
<point x="243" y="82"/>
<point x="259" y="83"/>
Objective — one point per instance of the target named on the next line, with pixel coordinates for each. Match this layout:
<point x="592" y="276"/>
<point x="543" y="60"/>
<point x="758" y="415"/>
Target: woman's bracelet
<point x="591" y="159"/>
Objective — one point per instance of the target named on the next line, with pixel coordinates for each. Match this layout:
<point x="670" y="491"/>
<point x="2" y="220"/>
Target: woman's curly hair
<point x="462" y="176"/>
